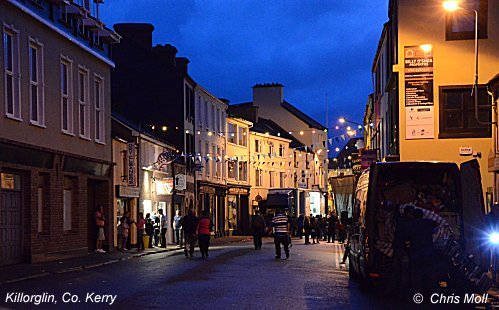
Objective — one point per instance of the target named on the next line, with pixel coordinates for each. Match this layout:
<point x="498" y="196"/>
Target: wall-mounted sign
<point x="418" y="75"/>
<point x="207" y="189"/>
<point x="419" y="122"/>
<point x="302" y="185"/>
<point x="367" y="157"/>
<point x="465" y="150"/>
<point x="128" y="191"/>
<point x="180" y="183"/>
<point x="164" y="187"/>
<point x="131" y="163"/>
<point x="238" y="191"/>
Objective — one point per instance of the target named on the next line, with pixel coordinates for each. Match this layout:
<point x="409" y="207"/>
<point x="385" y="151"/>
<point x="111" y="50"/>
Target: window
<point x="217" y="123"/>
<point x="42" y="210"/>
<point x="460" y="24"/>
<point x="243" y="170"/>
<point x="99" y="109"/>
<point x="12" y="76"/>
<point x="271" y="178"/>
<point x="199" y="114"/>
<point x="232" y="169"/>
<point x="231" y="134"/>
<point x="258" y="146"/>
<point x="223" y="161"/>
<point x="282" y="179"/>
<point x="67" y="204"/>
<point x="281" y="150"/>
<point x="224" y="127"/>
<point x="457" y="113"/>
<point x="258" y="177"/>
<point x="214" y="161"/>
<point x="207" y="156"/>
<point x="83" y="103"/>
<point x="241" y="139"/>
<point x="271" y="148"/>
<point x="66" y="94"/>
<point x="213" y="121"/>
<point x="37" y="107"/>
<point x="206" y="123"/>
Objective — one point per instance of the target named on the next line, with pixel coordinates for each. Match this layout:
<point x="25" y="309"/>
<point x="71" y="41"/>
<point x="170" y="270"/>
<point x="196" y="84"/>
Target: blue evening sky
<point x="311" y="47"/>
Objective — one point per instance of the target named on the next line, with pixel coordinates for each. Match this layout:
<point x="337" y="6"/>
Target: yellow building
<point x="424" y="73"/>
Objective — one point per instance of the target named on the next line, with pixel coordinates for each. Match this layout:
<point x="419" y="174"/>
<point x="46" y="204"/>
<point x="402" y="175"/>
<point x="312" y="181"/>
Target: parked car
<point x="385" y="188"/>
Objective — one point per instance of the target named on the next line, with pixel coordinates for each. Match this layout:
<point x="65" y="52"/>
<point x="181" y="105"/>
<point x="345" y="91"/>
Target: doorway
<point x="11" y="242"/>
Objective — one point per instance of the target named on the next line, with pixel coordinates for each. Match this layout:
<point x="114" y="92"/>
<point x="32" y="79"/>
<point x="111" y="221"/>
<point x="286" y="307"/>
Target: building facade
<point x="426" y="62"/>
<point x="211" y="156"/>
<point x="55" y="145"/>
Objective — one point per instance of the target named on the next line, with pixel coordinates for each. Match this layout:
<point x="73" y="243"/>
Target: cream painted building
<point x="237" y="218"/>
<point x="424" y="73"/>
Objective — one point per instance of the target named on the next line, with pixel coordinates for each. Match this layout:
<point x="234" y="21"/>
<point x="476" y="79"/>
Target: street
<point x="233" y="277"/>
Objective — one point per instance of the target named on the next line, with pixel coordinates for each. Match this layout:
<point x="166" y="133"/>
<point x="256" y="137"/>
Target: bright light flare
<point x="450" y="5"/>
<point x="494" y="238"/>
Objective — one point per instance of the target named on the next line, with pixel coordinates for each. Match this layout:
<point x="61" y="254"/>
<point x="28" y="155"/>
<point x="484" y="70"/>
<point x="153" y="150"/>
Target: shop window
<point x="460" y="24"/>
<point x="457" y="113"/>
<point x="10" y="181"/>
<point x="232" y="206"/>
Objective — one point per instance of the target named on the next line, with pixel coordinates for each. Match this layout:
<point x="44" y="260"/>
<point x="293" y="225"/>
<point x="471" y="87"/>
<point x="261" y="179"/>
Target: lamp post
<point x="452" y="6"/>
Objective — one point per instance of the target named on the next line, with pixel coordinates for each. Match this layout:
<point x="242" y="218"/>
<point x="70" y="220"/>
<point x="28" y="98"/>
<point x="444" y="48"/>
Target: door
<point x="10" y="219"/>
<point x="473" y="208"/>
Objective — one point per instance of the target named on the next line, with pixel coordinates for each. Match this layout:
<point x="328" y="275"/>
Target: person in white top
<point x="164" y="226"/>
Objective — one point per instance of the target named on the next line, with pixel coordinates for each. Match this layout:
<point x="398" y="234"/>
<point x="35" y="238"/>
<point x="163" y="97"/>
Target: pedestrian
<point x="157" y="229"/>
<point x="258" y="228"/>
<point x="125" y="229"/>
<point x="189" y="224"/>
<point x="164" y="226"/>
<point x="281" y="226"/>
<point x="177" y="227"/>
<point x="322" y="228"/>
<point x="342" y="231"/>
<point x="99" y="222"/>
<point x="141" y="223"/>
<point x="299" y="225"/>
<point x="306" y="229"/>
<point x="314" y="229"/>
<point x="331" y="227"/>
<point x="149" y="229"/>
<point x="205" y="227"/>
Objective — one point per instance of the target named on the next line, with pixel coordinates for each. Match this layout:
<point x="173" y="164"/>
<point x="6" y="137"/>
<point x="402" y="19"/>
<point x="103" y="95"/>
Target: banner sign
<point x="131" y="163"/>
<point x="418" y="75"/>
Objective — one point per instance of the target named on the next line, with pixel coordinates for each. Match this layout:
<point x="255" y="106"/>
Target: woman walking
<point x="141" y="223"/>
<point x="205" y="226"/>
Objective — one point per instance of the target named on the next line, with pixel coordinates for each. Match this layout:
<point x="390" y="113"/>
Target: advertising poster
<point x="419" y="122"/>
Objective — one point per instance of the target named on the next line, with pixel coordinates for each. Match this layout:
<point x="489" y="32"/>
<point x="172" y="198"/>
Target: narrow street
<point x="234" y="277"/>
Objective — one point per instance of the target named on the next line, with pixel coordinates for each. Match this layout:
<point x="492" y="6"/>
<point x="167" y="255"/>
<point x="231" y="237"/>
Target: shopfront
<point x="237" y="211"/>
<point x="211" y="197"/>
<point x="126" y="201"/>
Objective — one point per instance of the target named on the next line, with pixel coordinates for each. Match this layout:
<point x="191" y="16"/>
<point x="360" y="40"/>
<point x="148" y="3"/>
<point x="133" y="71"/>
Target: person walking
<point x="299" y="224"/>
<point x="205" y="227"/>
<point x="125" y="223"/>
<point x="189" y="224"/>
<point x="149" y="229"/>
<point x="157" y="230"/>
<point x="306" y="228"/>
<point x="258" y="228"/>
<point x="141" y="223"/>
<point x="281" y="226"/>
<point x="164" y="227"/>
<point x="331" y="228"/>
<point x="177" y="227"/>
<point x="99" y="222"/>
<point x="314" y="229"/>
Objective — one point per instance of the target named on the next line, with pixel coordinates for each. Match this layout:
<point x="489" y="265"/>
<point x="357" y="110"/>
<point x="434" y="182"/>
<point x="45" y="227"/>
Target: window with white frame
<point x="213" y="118"/>
<point x="282" y="179"/>
<point x="217" y="121"/>
<point x="99" y="109"/>
<point x="36" y="81"/>
<point x="214" y="161"/>
<point x="258" y="146"/>
<point x="83" y="103"/>
<point x="231" y="132"/>
<point x="271" y="148"/>
<point x="11" y="75"/>
<point x="232" y="169"/>
<point x="258" y="177"/>
<point x="281" y="150"/>
<point x="243" y="171"/>
<point x="219" y="163"/>
<point x="66" y="95"/>
<point x="241" y="136"/>
<point x="207" y="156"/>
<point x="223" y="162"/>
<point x="272" y="178"/>
<point x="224" y="124"/>
<point x="206" y="116"/>
<point x="200" y="111"/>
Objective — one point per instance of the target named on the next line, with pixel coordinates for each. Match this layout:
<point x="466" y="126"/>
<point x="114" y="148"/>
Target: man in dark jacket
<point x="189" y="225"/>
<point x="258" y="227"/>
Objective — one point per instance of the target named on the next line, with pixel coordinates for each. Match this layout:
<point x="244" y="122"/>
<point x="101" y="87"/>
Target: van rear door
<point x="473" y="207"/>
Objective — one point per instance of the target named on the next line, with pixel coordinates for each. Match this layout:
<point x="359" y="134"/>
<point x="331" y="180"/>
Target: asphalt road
<point x="234" y="277"/>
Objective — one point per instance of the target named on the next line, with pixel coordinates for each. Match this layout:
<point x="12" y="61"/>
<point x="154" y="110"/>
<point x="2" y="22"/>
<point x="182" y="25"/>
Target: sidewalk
<point x="21" y="272"/>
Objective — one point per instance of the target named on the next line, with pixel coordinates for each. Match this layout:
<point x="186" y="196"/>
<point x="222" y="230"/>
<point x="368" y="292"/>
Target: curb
<point x="109" y="262"/>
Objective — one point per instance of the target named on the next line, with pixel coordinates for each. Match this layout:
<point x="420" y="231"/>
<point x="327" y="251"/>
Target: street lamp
<point x="452" y="6"/>
<point x="343" y="120"/>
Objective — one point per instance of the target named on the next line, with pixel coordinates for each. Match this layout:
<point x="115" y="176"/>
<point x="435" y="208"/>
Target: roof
<point x="265" y="125"/>
<point x="304" y="117"/>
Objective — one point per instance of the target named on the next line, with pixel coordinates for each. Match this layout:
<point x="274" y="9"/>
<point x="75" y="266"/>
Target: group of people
<point x="281" y="225"/>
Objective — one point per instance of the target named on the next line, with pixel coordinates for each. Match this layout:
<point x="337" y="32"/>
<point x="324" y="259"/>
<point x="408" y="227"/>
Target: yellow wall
<point x="423" y="22"/>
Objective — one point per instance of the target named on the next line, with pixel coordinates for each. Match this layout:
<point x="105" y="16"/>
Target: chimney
<point x="138" y="33"/>
<point x="166" y="53"/>
<point x="183" y="65"/>
<point x="268" y="95"/>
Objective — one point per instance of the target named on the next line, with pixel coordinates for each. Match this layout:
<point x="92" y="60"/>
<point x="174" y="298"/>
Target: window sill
<point x="37" y="124"/>
<point x="15" y="118"/>
<point x="85" y="138"/>
<point x="464" y="135"/>
<point x="100" y="142"/>
<point x="68" y="133"/>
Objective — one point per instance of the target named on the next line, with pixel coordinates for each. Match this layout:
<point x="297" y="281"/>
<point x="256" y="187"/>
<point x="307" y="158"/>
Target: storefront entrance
<point x="10" y="219"/>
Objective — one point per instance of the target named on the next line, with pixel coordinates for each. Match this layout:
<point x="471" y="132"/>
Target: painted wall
<point x="423" y="22"/>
